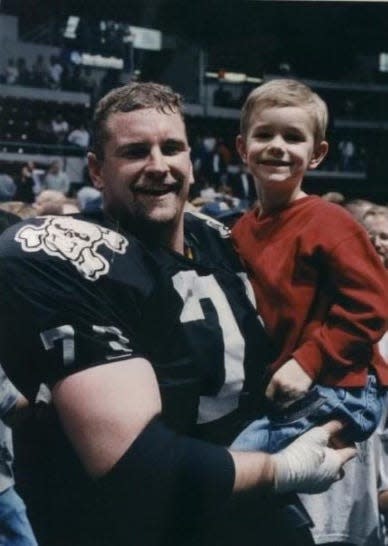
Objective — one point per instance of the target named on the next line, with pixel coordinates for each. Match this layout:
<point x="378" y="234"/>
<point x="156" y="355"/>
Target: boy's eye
<point x="294" y="137"/>
<point x="263" y="135"/>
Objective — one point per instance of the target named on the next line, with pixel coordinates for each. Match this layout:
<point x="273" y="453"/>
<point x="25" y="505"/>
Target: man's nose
<point x="157" y="163"/>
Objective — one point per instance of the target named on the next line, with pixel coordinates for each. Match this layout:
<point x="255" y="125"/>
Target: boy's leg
<point x="360" y="407"/>
<point x="255" y="437"/>
<point x="15" y="529"/>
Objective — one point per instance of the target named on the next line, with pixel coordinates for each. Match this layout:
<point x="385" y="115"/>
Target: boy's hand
<point x="288" y="383"/>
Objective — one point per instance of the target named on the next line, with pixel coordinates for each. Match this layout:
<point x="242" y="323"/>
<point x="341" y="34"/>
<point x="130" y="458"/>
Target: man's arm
<point x="106" y="408"/>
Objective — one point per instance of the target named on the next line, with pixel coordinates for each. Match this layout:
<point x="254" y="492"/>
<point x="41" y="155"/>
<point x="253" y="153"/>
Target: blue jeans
<point x="15" y="529"/>
<point x="361" y="408"/>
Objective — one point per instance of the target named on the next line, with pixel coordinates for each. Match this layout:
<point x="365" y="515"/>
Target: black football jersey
<point x="76" y="294"/>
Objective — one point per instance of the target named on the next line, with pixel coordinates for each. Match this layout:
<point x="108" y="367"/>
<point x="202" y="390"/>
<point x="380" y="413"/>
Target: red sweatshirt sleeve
<point x="359" y="316"/>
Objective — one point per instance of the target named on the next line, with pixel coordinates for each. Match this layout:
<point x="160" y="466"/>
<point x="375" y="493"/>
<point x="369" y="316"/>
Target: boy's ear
<point x="94" y="166"/>
<point x="241" y="148"/>
<point x="319" y="154"/>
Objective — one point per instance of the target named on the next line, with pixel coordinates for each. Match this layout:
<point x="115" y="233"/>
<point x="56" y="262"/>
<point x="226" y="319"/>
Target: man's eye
<point x="172" y="149"/>
<point x="134" y="153"/>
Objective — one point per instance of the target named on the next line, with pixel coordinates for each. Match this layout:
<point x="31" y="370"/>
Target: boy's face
<point x="279" y="147"/>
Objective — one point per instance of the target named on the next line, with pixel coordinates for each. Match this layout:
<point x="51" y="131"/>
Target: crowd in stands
<point x="51" y="74"/>
<point x="32" y="123"/>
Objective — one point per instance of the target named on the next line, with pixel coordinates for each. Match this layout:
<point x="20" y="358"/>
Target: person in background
<point x="375" y="221"/>
<point x="26" y="184"/>
<point x="56" y="178"/>
<point x="358" y="207"/>
<point x="79" y="136"/>
<point x="15" y="528"/>
<point x="243" y="186"/>
<point x="60" y="128"/>
<point x="7" y="187"/>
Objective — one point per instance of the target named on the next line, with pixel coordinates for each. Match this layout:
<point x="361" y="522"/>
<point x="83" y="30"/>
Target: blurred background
<point x="58" y="58"/>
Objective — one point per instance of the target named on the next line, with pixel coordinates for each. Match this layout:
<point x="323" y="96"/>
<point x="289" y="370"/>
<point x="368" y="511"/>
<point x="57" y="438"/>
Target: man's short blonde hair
<point x="286" y="92"/>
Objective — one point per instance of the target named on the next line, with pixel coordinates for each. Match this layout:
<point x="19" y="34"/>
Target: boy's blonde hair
<point x="286" y="92"/>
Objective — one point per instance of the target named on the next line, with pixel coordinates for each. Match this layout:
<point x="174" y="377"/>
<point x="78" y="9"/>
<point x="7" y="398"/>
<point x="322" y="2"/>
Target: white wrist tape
<point x="307" y="465"/>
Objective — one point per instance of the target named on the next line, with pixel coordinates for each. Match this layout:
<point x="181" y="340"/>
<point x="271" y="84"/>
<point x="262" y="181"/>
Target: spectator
<point x="44" y="131"/>
<point x="79" y="136"/>
<point x="375" y="221"/>
<point x="56" y="179"/>
<point x="49" y="202"/>
<point x="334" y="197"/>
<point x="60" y="128"/>
<point x="89" y="84"/>
<point x="347" y="151"/>
<point x="39" y="72"/>
<point x="15" y="528"/>
<point x="26" y="183"/>
<point x="89" y="199"/>
<point x="24" y="75"/>
<point x="18" y="209"/>
<point x="243" y="186"/>
<point x="55" y="72"/>
<point x="7" y="187"/>
<point x="358" y="207"/>
<point x="11" y="72"/>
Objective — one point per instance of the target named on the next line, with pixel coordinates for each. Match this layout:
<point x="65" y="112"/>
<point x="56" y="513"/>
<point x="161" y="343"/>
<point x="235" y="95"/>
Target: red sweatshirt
<point x="320" y="287"/>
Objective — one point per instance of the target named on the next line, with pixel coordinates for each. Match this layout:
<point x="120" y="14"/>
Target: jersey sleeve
<point x="55" y="319"/>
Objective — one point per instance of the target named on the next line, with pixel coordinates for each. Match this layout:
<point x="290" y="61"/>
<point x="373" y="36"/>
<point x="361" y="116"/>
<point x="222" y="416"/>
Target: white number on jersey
<point x="193" y="288"/>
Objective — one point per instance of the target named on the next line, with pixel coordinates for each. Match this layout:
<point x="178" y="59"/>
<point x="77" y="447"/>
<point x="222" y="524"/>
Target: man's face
<point x="279" y="147"/>
<point x="146" y="170"/>
<point x="377" y="227"/>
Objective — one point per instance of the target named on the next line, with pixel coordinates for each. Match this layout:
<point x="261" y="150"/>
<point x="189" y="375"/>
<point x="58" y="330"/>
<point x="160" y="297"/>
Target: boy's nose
<point x="277" y="144"/>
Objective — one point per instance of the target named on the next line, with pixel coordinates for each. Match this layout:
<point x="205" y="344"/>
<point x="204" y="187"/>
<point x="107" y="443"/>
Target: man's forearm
<point x="252" y="470"/>
<point x="383" y="501"/>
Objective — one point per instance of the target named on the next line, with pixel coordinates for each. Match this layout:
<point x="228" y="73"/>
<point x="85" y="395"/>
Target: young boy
<point x="320" y="287"/>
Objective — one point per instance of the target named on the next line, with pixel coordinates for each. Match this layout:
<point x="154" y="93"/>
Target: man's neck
<point x="170" y="236"/>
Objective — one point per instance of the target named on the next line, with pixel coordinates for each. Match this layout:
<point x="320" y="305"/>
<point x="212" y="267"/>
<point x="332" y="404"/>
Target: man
<point x="142" y="325"/>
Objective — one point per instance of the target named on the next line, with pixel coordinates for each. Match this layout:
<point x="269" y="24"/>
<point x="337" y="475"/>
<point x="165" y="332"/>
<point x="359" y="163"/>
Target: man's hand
<point x="288" y="383"/>
<point x="308" y="465"/>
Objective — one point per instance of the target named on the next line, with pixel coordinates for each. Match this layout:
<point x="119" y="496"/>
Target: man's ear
<point x="319" y="154"/>
<point x="241" y="147"/>
<point x="94" y="166"/>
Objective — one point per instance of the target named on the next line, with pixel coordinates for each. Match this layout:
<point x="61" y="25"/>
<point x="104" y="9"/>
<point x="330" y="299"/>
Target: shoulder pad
<point x="72" y="240"/>
<point x="223" y="230"/>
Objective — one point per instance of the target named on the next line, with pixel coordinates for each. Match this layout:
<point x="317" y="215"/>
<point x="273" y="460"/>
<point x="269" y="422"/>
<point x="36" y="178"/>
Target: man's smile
<point x="171" y="188"/>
